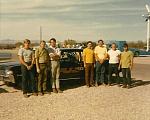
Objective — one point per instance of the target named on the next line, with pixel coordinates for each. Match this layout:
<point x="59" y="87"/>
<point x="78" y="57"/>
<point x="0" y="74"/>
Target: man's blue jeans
<point x="28" y="79"/>
<point x="100" y="72"/>
<point x="126" y="72"/>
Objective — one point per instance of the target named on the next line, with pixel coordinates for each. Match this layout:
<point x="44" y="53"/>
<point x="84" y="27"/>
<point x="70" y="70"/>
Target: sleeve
<point x="20" y="52"/>
<point x="36" y="53"/>
<point x="95" y="50"/>
<point x="132" y="55"/>
<point x="106" y="50"/>
<point x="119" y="52"/>
<point x="84" y="52"/>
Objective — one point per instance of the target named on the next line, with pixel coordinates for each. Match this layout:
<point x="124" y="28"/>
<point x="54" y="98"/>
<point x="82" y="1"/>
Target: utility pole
<point x="147" y="16"/>
<point x="40" y="32"/>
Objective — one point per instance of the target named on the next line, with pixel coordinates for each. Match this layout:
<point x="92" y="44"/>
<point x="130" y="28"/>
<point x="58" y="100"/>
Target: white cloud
<point x="78" y="19"/>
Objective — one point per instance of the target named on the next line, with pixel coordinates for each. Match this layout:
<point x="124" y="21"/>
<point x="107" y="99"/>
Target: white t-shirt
<point x="114" y="56"/>
<point x="27" y="54"/>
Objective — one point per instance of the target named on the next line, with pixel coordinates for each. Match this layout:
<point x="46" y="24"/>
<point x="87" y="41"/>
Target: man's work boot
<point x="59" y="91"/>
<point x="54" y="90"/>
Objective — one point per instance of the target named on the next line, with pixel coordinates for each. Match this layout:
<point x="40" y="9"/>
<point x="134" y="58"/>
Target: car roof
<point x="71" y="49"/>
<point x="10" y="63"/>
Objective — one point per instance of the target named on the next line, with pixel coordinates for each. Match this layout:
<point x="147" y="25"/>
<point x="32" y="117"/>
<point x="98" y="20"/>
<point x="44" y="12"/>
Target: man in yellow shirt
<point x="88" y="58"/>
<point x="126" y="64"/>
<point x="100" y="55"/>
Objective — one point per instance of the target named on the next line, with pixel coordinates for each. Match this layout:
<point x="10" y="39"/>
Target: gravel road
<point x="81" y="103"/>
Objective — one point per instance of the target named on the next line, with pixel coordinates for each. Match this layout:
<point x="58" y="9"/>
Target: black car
<point x="10" y="72"/>
<point x="71" y="67"/>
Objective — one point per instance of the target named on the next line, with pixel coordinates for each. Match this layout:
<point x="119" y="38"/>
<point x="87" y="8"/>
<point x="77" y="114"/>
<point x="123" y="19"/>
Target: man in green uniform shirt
<point x="42" y="64"/>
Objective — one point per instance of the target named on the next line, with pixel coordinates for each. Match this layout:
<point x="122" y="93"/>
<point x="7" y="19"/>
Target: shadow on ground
<point x="3" y="90"/>
<point x="71" y="84"/>
<point x="136" y="83"/>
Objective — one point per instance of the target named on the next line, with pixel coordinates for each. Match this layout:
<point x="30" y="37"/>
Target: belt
<point x="28" y="62"/>
<point x="42" y="63"/>
<point x="55" y="60"/>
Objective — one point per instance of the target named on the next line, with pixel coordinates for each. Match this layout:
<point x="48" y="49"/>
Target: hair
<point x="113" y="44"/>
<point x="42" y="41"/>
<point x="100" y="41"/>
<point x="125" y="45"/>
<point x="89" y="42"/>
<point x="52" y="39"/>
<point x="27" y="41"/>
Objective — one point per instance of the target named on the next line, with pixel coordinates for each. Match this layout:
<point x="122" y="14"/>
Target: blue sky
<point x="75" y="19"/>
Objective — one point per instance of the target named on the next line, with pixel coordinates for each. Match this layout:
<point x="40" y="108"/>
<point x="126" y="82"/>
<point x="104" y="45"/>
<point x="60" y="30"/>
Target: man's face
<point x="53" y="43"/>
<point x="100" y="43"/>
<point x="42" y="44"/>
<point x="26" y="45"/>
<point x="125" y="48"/>
<point x="113" y="46"/>
<point x="89" y="45"/>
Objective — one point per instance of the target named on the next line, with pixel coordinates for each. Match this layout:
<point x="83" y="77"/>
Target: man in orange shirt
<point x="88" y="58"/>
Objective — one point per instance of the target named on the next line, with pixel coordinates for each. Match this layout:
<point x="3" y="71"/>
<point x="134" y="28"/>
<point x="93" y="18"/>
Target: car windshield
<point x="70" y="58"/>
<point x="3" y="67"/>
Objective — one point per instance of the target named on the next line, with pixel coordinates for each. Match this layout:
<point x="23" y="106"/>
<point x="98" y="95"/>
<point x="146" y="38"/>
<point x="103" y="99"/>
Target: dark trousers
<point x="28" y="80"/>
<point x="126" y="72"/>
<point x="42" y="77"/>
<point x="89" y="74"/>
<point x="100" y="72"/>
<point x="113" y="68"/>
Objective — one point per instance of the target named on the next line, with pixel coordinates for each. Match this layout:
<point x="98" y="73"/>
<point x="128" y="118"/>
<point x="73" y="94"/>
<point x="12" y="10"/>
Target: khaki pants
<point x="55" y="72"/>
<point x="89" y="74"/>
<point x="42" y="78"/>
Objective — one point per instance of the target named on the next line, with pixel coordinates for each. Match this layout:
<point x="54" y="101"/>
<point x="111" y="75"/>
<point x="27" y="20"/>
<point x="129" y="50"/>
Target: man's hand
<point x="56" y="57"/>
<point x="85" y="65"/>
<point x="101" y="61"/>
<point x="131" y="67"/>
<point x="119" y="67"/>
<point x="30" y="67"/>
<point x="38" y="70"/>
<point x="51" y="55"/>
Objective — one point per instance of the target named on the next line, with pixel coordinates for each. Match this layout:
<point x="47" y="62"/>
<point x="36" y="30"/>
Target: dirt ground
<point x="82" y="103"/>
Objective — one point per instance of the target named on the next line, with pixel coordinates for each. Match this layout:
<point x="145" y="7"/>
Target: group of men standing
<point x="40" y="61"/>
<point x="35" y="64"/>
<point x="98" y="57"/>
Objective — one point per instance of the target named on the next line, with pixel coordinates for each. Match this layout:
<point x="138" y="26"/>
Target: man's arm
<point x="106" y="54"/>
<point x="96" y="56"/>
<point x="132" y="56"/>
<point x="37" y="61"/>
<point x="22" y="61"/>
<point x="84" y="58"/>
<point x="120" y="62"/>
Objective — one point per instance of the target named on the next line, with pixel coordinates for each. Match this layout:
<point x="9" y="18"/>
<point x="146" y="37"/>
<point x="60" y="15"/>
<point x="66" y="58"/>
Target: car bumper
<point x="9" y="78"/>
